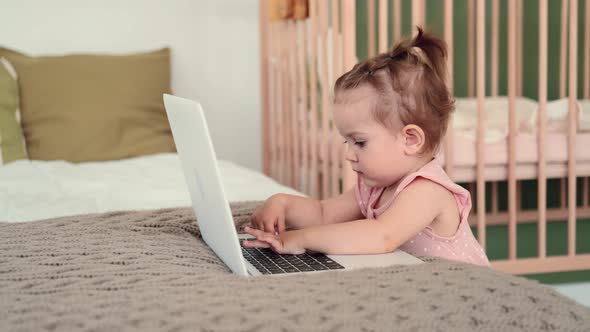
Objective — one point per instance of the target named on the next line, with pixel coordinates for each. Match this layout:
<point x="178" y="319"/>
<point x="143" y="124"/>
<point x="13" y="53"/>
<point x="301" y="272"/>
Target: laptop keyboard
<point x="269" y="262"/>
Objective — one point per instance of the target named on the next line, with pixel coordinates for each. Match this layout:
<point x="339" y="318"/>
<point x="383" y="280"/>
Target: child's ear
<point x="414" y="139"/>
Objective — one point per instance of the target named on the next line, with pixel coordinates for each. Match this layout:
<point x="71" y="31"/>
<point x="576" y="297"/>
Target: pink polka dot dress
<point x="462" y="246"/>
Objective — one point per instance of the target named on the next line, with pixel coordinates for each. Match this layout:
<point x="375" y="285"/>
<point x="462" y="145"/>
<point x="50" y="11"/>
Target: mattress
<point x="32" y="190"/>
<point x="526" y="140"/>
<point x="496" y="157"/>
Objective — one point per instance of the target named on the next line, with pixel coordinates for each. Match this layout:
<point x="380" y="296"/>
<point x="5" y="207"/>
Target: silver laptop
<point x="199" y="164"/>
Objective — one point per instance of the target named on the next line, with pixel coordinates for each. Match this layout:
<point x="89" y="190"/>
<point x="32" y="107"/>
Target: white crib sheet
<point x="465" y="117"/>
<point x="496" y="138"/>
<point x="33" y="190"/>
<point x="496" y="157"/>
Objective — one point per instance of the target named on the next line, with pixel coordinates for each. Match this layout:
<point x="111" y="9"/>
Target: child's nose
<point x="350" y="155"/>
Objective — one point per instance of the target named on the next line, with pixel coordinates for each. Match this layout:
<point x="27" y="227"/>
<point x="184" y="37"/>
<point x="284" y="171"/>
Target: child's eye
<point x="357" y="143"/>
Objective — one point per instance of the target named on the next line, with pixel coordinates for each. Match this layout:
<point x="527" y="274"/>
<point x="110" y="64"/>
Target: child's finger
<point x="256" y="244"/>
<point x="269" y="226"/>
<point x="266" y="238"/>
<point x="253" y="231"/>
<point x="273" y="242"/>
<point x="246" y="225"/>
<point x="281" y="224"/>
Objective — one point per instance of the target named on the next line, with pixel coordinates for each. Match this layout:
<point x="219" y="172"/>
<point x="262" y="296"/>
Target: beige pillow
<point x="93" y="107"/>
<point x="12" y="145"/>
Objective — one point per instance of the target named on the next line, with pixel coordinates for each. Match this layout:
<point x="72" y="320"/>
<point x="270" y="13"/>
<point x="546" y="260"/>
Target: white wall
<point x="215" y="47"/>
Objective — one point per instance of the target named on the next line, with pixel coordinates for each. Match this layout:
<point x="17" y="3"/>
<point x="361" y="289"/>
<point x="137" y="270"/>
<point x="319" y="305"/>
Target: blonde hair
<point x="410" y="83"/>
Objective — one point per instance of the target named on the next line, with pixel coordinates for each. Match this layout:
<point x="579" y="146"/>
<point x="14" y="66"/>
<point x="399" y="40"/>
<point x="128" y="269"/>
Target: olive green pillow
<point x="11" y="139"/>
<point x="93" y="107"/>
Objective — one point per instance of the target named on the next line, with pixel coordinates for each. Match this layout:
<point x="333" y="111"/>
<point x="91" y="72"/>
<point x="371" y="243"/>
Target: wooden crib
<point x="306" y="45"/>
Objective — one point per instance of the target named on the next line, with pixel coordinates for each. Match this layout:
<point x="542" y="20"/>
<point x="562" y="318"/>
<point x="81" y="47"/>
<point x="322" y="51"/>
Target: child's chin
<point x="370" y="183"/>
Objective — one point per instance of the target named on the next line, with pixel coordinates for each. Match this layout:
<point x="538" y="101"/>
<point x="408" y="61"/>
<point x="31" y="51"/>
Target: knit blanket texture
<point x="151" y="271"/>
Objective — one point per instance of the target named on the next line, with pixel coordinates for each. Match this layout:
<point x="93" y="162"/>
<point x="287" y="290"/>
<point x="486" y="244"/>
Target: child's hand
<point x="283" y="243"/>
<point x="270" y="216"/>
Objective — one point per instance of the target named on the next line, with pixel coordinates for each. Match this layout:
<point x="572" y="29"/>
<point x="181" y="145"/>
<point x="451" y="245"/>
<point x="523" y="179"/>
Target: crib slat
<point x="470" y="49"/>
<point x="527" y="216"/>
<point x="336" y="43"/>
<point x="397" y="21"/>
<point x="481" y="199"/>
<point x="448" y="28"/>
<point x="423" y="14"/>
<point x="371" y="27"/>
<point x="264" y="86"/>
<point x="586" y="56"/>
<point x="286" y="132"/>
<point x="273" y="100"/>
<point x="545" y="265"/>
<point x="278" y="109"/>
<point x="542" y="124"/>
<point x="572" y="114"/>
<point x="349" y="46"/>
<point x="313" y="113"/>
<point x="335" y="163"/>
<point x="295" y="125"/>
<point x="280" y="104"/>
<point x="563" y="48"/>
<point x="415" y="15"/>
<point x="494" y="51"/>
<point x="286" y="115"/>
<point x="448" y="35"/>
<point x="518" y="68"/>
<point x="302" y="107"/>
<point x="325" y="131"/>
<point x="336" y="71"/>
<point x="512" y="91"/>
<point x="382" y="26"/>
<point x="418" y="13"/>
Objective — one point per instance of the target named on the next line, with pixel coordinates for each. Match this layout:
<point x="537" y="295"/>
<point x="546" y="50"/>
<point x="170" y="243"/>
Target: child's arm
<point x="302" y="212"/>
<point x="413" y="209"/>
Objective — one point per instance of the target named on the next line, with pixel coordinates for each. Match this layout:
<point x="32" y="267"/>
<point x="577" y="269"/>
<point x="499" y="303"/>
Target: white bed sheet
<point x="33" y="190"/>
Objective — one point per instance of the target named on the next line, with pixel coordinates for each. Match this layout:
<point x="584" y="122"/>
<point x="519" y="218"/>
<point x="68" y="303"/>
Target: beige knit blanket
<point x="149" y="270"/>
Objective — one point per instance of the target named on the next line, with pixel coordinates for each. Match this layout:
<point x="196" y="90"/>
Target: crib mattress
<point x="496" y="156"/>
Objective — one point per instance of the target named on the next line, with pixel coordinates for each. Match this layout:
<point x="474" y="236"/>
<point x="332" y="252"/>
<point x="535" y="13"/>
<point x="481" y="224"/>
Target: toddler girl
<point x="392" y="110"/>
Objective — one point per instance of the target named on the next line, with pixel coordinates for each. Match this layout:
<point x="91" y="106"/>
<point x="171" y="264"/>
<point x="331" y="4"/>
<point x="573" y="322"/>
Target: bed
<point x="150" y="270"/>
<point x="521" y="121"/>
<point x="114" y="245"/>
<point x="33" y="190"/>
